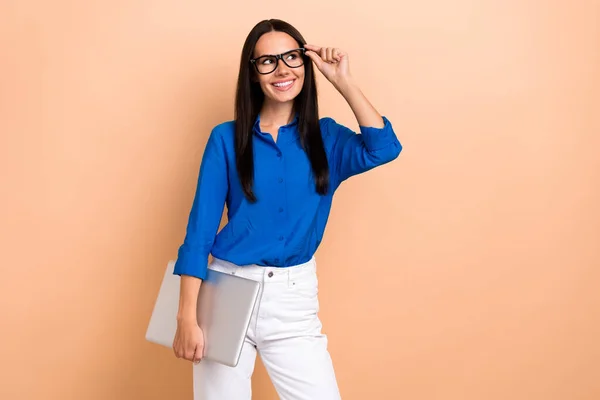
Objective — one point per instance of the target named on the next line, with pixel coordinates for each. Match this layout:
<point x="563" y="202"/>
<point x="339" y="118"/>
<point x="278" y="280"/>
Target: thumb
<point x="198" y="354"/>
<point x="315" y="57"/>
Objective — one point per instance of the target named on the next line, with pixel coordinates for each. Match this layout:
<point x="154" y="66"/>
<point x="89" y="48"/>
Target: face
<point x="285" y="83"/>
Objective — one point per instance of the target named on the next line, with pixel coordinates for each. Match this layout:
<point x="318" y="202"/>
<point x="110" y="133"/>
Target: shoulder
<point x="223" y="133"/>
<point x="325" y="124"/>
<point x="328" y="127"/>
<point x="332" y="131"/>
<point x="224" y="129"/>
<point x="220" y="140"/>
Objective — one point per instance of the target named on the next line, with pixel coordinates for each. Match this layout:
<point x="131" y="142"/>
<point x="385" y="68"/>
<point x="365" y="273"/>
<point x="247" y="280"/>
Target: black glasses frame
<point x="277" y="58"/>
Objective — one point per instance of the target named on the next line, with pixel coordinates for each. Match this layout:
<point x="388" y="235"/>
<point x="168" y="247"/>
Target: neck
<point x="278" y="114"/>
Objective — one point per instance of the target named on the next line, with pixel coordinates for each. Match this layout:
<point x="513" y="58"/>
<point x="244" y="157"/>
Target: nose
<point x="281" y="69"/>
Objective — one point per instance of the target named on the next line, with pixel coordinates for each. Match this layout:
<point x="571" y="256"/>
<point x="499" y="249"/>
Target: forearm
<point x="188" y="298"/>
<point x="365" y="113"/>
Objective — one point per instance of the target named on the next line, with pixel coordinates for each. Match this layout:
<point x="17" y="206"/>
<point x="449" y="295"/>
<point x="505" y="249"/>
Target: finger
<point x="316" y="58"/>
<point x="329" y="54"/>
<point x="337" y="55"/>
<point x="189" y="353"/>
<point x="176" y="346"/>
<point x="334" y="57"/>
<point x="312" y="47"/>
<point x="198" y="354"/>
<point x="323" y="54"/>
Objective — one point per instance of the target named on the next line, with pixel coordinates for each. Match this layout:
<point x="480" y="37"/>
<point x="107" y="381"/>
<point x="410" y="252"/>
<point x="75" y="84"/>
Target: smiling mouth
<point x="282" y="86"/>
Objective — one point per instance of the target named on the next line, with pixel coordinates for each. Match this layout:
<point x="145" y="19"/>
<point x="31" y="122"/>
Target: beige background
<point x="467" y="269"/>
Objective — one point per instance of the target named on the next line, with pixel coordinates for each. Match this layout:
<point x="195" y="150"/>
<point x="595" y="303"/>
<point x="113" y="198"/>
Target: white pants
<point x="285" y="330"/>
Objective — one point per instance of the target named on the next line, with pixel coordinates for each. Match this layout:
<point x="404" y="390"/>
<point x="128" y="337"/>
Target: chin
<point x="279" y="98"/>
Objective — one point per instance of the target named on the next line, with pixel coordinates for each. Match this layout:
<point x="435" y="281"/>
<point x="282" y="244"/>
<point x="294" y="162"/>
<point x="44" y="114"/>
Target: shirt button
<point x="280" y="238"/>
<point x="280" y="180"/>
<point x="270" y="274"/>
<point x="280" y="209"/>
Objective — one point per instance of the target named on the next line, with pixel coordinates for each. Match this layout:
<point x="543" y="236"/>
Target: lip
<point x="283" y="88"/>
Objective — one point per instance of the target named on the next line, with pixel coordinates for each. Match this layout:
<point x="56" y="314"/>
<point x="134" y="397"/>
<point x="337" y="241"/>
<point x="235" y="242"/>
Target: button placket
<point x="281" y="208"/>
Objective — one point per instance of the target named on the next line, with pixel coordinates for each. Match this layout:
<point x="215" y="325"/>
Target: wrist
<point x="186" y="318"/>
<point x="346" y="86"/>
<point x="186" y="312"/>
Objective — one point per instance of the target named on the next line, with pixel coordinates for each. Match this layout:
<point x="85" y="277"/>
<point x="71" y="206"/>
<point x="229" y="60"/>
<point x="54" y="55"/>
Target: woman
<point x="276" y="166"/>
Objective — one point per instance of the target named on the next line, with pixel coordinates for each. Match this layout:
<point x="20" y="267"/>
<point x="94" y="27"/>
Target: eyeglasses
<point x="267" y="64"/>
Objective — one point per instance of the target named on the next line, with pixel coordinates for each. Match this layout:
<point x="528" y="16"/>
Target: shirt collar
<point x="289" y="132"/>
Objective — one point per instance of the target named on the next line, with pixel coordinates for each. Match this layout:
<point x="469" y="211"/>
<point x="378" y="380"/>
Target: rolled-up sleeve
<point x="354" y="153"/>
<point x="206" y="211"/>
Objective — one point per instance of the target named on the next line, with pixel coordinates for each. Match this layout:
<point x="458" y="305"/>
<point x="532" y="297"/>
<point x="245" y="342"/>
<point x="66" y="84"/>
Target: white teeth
<point x="283" y="84"/>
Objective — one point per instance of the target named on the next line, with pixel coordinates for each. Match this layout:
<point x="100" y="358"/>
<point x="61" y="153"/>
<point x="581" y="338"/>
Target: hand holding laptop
<point x="189" y="340"/>
<point x="209" y="321"/>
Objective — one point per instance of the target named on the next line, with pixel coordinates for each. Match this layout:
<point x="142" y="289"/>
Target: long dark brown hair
<point x="248" y="103"/>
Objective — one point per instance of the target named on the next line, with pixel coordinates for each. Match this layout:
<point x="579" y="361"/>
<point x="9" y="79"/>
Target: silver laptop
<point x="225" y="306"/>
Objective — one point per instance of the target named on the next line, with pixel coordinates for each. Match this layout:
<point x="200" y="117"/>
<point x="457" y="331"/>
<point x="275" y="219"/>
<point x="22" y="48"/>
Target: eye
<point x="266" y="60"/>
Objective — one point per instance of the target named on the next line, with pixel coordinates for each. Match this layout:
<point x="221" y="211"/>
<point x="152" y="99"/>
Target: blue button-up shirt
<point x="286" y="224"/>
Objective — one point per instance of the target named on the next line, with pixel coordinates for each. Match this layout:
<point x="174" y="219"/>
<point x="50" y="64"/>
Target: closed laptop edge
<point x="225" y="306"/>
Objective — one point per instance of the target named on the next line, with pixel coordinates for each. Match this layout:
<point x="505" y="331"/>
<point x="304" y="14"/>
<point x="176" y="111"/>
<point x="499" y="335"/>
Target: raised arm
<point x="377" y="142"/>
<point x="354" y="153"/>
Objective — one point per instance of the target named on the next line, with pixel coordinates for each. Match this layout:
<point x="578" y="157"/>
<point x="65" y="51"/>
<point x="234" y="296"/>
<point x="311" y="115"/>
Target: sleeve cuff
<point x="378" y="138"/>
<point x="186" y="265"/>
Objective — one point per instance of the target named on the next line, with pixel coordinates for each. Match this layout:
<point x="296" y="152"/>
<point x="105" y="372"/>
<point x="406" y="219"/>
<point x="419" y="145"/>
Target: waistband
<point x="264" y="273"/>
